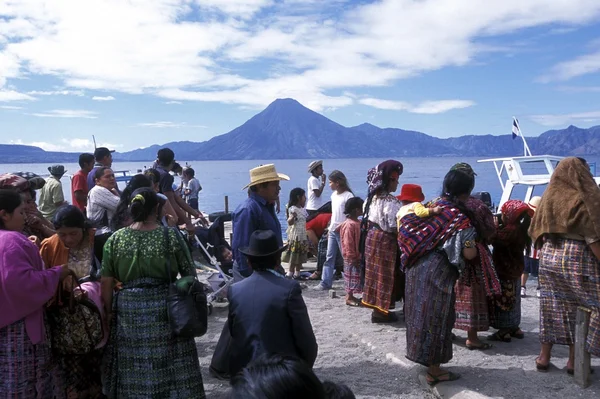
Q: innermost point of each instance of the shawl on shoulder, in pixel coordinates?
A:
(570, 204)
(418, 236)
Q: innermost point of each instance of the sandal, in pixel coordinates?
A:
(518, 334)
(497, 337)
(354, 303)
(436, 378)
(542, 367)
(481, 347)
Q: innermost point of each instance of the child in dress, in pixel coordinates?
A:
(532, 257)
(296, 232)
(350, 237)
(411, 197)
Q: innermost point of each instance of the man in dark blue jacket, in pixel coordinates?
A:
(266, 311)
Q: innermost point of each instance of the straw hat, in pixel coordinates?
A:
(534, 202)
(264, 174)
(314, 165)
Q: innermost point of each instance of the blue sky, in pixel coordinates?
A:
(146, 72)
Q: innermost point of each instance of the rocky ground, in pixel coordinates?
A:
(369, 358)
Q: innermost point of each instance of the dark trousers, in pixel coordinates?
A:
(322, 255)
(193, 203)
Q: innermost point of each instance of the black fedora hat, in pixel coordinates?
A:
(262, 243)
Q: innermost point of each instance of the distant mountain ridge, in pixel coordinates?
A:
(288, 130)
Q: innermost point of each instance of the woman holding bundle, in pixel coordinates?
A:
(434, 251)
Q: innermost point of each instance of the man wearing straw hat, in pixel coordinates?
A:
(257, 212)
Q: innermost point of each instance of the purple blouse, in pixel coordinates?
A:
(25, 287)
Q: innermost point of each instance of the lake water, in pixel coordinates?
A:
(226, 178)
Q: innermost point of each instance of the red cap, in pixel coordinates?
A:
(412, 193)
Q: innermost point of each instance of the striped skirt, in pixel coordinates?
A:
(569, 277)
(430, 310)
(381, 249)
(502, 319)
(352, 283)
(142, 358)
(27, 371)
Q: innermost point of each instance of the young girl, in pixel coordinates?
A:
(350, 237)
(341, 193)
(296, 232)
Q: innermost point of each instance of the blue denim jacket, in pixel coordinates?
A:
(251, 215)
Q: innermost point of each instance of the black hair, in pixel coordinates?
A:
(100, 172)
(122, 212)
(165, 156)
(9, 201)
(265, 262)
(295, 196)
(457, 184)
(153, 175)
(176, 168)
(190, 172)
(337, 391)
(276, 376)
(143, 202)
(85, 158)
(70, 216)
(352, 204)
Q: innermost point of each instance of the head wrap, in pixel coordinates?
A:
(18, 183)
(379, 176)
(570, 204)
(513, 209)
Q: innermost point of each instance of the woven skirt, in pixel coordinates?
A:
(429, 309)
(501, 318)
(27, 371)
(381, 249)
(472, 308)
(352, 283)
(569, 277)
(143, 359)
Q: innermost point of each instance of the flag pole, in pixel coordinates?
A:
(526, 150)
(94, 138)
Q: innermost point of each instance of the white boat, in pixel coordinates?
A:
(532, 172)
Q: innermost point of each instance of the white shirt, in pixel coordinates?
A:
(383, 211)
(338, 203)
(314, 202)
(101, 200)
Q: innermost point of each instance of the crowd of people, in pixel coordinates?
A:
(111, 256)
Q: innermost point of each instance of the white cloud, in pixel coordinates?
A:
(427, 107)
(10, 107)
(173, 102)
(100, 98)
(583, 65)
(204, 50)
(168, 124)
(563, 119)
(67, 113)
(11, 95)
(78, 93)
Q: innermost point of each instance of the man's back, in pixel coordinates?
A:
(268, 315)
(50, 195)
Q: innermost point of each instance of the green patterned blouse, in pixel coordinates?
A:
(132, 254)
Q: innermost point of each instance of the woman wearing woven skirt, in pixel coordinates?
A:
(509, 243)
(381, 247)
(566, 226)
(143, 359)
(479, 282)
(434, 250)
(27, 367)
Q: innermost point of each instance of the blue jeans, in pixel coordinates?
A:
(333, 251)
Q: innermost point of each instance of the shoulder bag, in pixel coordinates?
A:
(187, 310)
